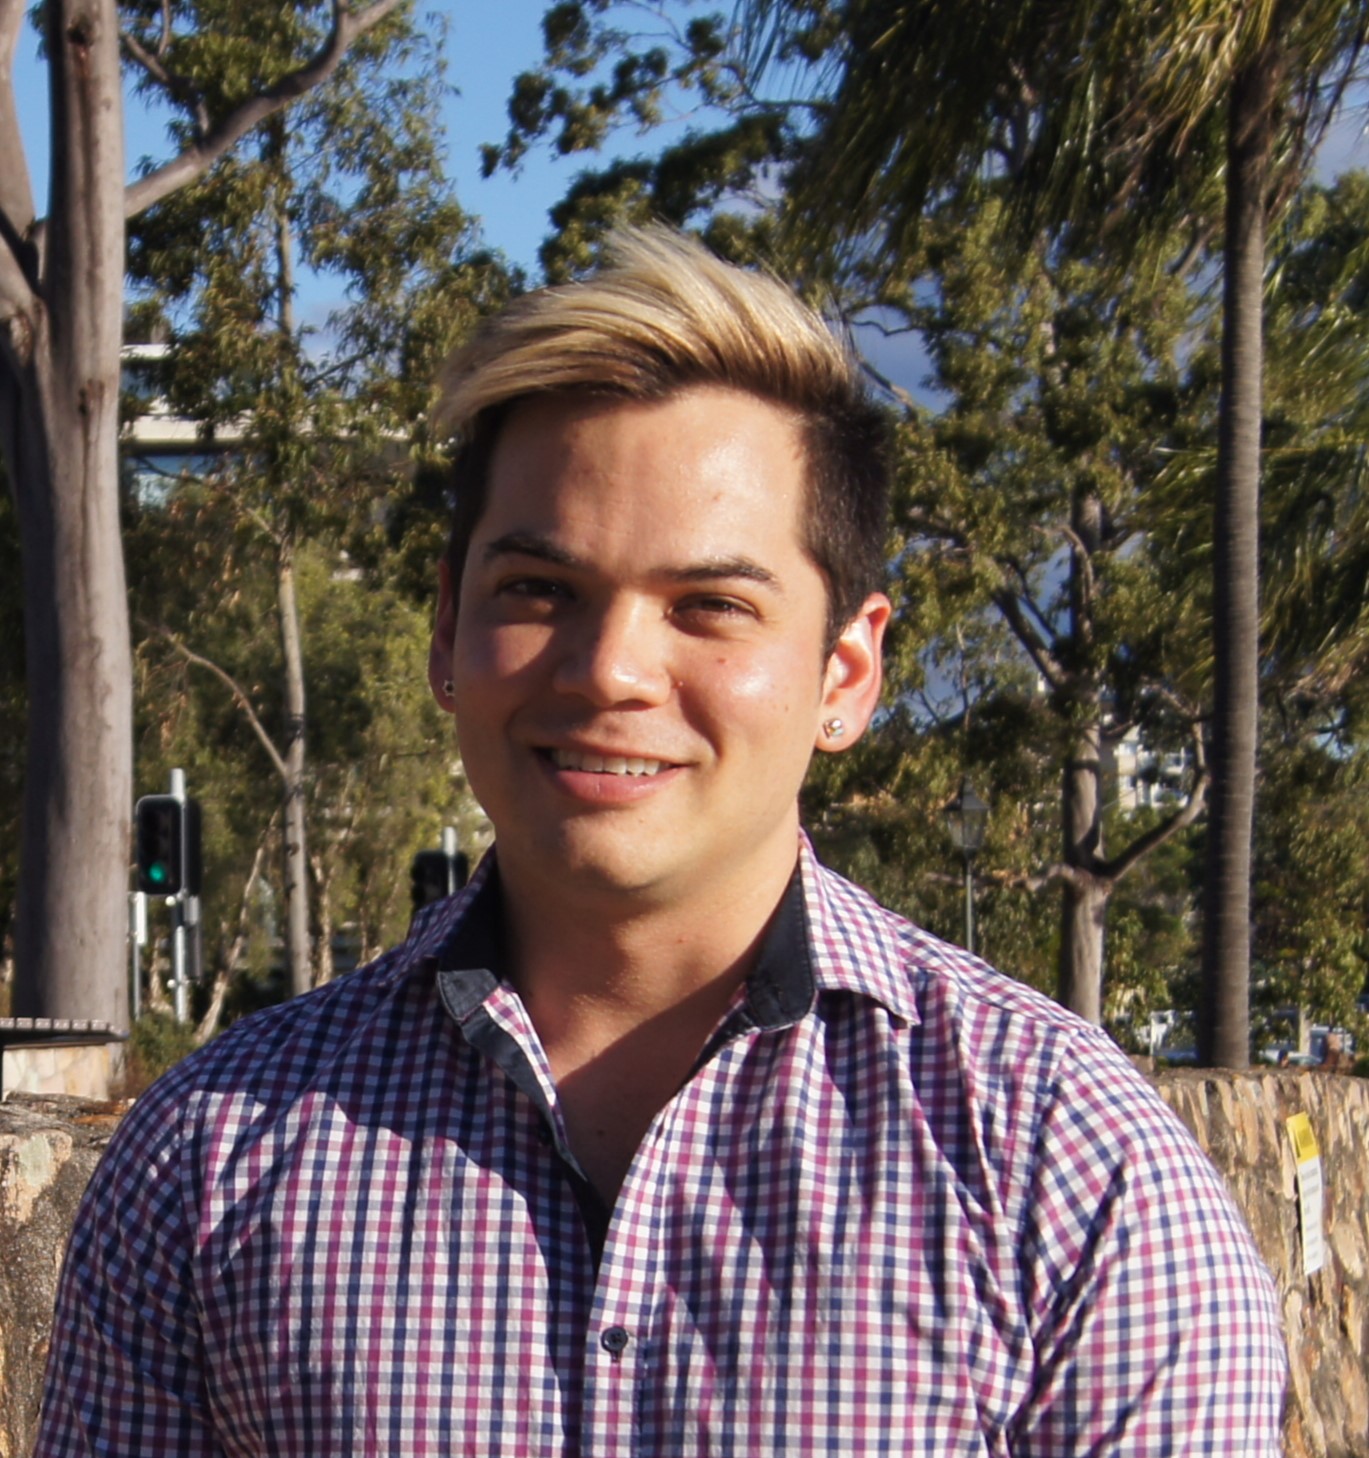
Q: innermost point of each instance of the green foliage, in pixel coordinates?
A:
(1315, 513)
(156, 1042)
(383, 777)
(1312, 881)
(298, 541)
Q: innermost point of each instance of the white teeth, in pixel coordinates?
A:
(598, 764)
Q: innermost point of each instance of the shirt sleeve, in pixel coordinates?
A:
(124, 1372)
(1155, 1322)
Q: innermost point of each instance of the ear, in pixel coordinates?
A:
(853, 677)
(444, 637)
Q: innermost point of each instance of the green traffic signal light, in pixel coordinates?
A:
(166, 835)
(159, 841)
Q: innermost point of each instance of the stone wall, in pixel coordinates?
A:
(78, 1070)
(1239, 1121)
(48, 1148)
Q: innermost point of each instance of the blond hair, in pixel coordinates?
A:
(663, 315)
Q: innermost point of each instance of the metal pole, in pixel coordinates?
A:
(449, 849)
(138, 937)
(969, 905)
(178, 977)
(180, 981)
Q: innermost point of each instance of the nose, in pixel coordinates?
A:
(615, 655)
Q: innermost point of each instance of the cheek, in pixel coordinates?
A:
(765, 690)
(495, 659)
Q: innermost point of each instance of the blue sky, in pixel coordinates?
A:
(489, 43)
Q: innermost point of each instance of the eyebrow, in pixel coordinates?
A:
(709, 569)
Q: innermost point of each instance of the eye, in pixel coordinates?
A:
(530, 598)
(533, 588)
(714, 608)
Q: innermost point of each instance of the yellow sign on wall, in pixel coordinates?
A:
(1307, 1158)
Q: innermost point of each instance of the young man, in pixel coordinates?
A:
(659, 1138)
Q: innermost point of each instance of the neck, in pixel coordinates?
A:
(622, 964)
(624, 1003)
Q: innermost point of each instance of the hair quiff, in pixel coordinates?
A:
(663, 315)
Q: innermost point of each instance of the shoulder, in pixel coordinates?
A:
(1046, 1105)
(1129, 1253)
(956, 1001)
(267, 1061)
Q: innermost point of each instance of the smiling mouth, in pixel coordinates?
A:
(605, 764)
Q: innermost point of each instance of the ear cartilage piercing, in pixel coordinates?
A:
(834, 728)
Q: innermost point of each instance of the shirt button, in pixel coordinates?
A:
(614, 1340)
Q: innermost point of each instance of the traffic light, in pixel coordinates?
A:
(435, 874)
(167, 839)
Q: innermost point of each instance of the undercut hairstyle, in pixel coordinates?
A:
(665, 314)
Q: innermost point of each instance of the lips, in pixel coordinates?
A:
(605, 764)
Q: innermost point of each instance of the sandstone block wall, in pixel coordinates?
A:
(80, 1070)
(1239, 1121)
(49, 1147)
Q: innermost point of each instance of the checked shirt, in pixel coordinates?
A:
(901, 1206)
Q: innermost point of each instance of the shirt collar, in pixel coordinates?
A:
(826, 936)
(855, 944)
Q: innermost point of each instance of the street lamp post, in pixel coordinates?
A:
(967, 818)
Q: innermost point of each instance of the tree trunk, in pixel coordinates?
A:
(1082, 920)
(59, 420)
(296, 841)
(1224, 1012)
(323, 959)
(1084, 908)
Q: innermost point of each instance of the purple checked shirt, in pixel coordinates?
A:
(902, 1206)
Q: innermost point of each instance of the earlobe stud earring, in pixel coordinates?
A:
(833, 728)
(448, 687)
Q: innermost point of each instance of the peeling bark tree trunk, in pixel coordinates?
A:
(1224, 1012)
(59, 419)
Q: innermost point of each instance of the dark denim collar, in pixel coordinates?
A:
(779, 990)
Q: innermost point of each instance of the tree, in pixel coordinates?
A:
(382, 780)
(61, 299)
(1311, 947)
(315, 425)
(12, 707)
(1027, 494)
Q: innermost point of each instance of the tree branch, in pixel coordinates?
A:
(1034, 880)
(1083, 559)
(1050, 667)
(896, 392)
(239, 697)
(18, 266)
(1183, 817)
(347, 26)
(177, 87)
(209, 1023)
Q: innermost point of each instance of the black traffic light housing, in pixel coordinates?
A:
(167, 841)
(434, 874)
